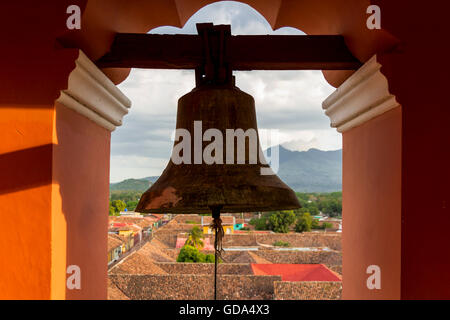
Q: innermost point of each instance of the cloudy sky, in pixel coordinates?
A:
(287, 101)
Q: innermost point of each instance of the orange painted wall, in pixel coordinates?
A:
(81, 176)
(25, 195)
(54, 186)
(372, 206)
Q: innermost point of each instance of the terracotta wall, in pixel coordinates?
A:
(372, 206)
(80, 203)
(422, 89)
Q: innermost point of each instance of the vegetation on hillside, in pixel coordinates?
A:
(311, 171)
(130, 185)
(302, 220)
(130, 198)
(304, 171)
(329, 204)
(128, 191)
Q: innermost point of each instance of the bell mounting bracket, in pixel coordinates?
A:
(215, 68)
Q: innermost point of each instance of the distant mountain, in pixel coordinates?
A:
(304, 171)
(311, 171)
(152, 179)
(130, 185)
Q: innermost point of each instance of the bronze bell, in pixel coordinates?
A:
(195, 186)
(229, 178)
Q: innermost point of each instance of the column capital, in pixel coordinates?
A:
(91, 93)
(363, 96)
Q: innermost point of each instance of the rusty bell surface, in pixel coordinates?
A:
(196, 188)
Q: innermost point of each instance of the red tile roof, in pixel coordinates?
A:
(138, 262)
(114, 241)
(119, 224)
(296, 272)
(114, 293)
(253, 231)
(139, 221)
(158, 216)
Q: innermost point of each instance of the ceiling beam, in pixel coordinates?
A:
(247, 52)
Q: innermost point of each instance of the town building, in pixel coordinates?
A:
(228, 223)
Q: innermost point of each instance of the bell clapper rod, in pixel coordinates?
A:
(218, 235)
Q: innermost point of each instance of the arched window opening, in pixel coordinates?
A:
(287, 102)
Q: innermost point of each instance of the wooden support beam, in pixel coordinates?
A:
(291, 53)
(248, 52)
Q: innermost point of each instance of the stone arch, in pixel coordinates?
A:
(104, 18)
(314, 18)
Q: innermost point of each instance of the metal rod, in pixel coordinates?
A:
(216, 215)
(215, 267)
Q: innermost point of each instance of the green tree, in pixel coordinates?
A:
(195, 238)
(112, 210)
(327, 225)
(312, 208)
(119, 205)
(315, 224)
(259, 223)
(131, 205)
(328, 203)
(190, 254)
(210, 258)
(304, 223)
(280, 221)
(116, 206)
(125, 195)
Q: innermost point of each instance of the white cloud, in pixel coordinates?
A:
(288, 101)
